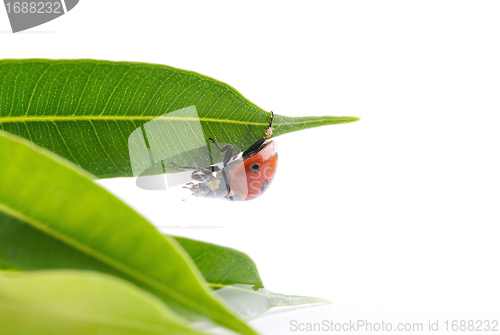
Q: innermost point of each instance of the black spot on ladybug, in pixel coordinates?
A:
(255, 167)
(264, 185)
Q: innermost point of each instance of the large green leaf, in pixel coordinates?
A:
(85, 110)
(81, 302)
(53, 216)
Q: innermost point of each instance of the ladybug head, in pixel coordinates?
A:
(255, 174)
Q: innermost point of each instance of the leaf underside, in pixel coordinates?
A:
(235, 278)
(248, 302)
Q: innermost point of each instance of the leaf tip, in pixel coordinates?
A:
(352, 119)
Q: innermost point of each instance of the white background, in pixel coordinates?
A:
(392, 218)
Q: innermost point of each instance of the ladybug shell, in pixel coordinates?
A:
(253, 176)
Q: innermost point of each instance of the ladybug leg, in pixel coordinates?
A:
(198, 174)
(207, 170)
(228, 149)
(184, 167)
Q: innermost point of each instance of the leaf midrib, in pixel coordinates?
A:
(10, 119)
(105, 259)
(22, 119)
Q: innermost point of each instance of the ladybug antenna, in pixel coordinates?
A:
(269, 131)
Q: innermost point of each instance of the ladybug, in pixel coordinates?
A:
(242, 177)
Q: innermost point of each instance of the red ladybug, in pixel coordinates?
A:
(237, 180)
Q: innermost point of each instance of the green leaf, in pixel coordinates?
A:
(85, 110)
(81, 302)
(247, 302)
(53, 216)
(234, 276)
(222, 266)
